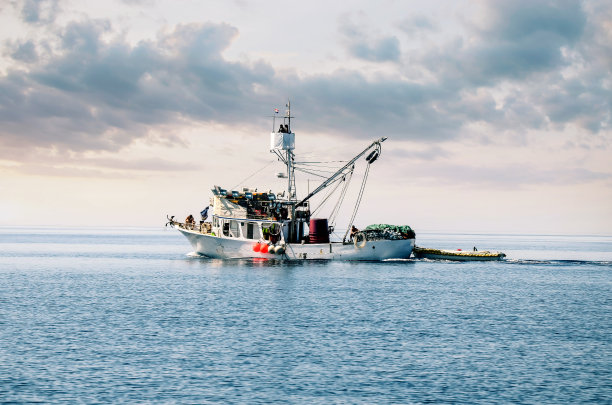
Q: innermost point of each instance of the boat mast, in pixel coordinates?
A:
(289, 158)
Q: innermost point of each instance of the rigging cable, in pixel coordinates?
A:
(309, 172)
(242, 181)
(327, 197)
(334, 213)
(370, 159)
(280, 157)
(365, 177)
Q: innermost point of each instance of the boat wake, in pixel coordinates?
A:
(520, 262)
(554, 262)
(194, 254)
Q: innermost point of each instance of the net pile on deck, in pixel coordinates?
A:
(388, 232)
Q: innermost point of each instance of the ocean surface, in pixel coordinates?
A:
(128, 315)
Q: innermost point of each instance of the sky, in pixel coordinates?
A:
(498, 114)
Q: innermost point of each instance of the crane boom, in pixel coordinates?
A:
(340, 171)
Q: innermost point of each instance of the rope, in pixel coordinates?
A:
(365, 177)
(334, 213)
(361, 190)
(326, 198)
(242, 181)
(309, 172)
(317, 163)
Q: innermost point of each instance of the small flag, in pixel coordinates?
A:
(276, 110)
(204, 213)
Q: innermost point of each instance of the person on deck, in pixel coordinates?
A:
(189, 222)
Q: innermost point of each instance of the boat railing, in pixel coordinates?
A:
(256, 216)
(203, 227)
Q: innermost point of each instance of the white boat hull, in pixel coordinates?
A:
(234, 248)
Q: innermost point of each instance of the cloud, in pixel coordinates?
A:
(39, 11)
(150, 164)
(360, 45)
(520, 19)
(422, 154)
(416, 24)
(518, 39)
(541, 54)
(92, 90)
(96, 94)
(505, 176)
(346, 102)
(23, 51)
(378, 50)
(75, 165)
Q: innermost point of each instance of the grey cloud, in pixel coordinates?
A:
(95, 94)
(380, 50)
(527, 44)
(39, 11)
(576, 102)
(99, 95)
(512, 59)
(348, 103)
(521, 38)
(519, 19)
(84, 37)
(24, 51)
(416, 24)
(361, 46)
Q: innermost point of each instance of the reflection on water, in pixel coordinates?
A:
(128, 316)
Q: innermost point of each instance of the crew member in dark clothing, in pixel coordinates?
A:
(354, 230)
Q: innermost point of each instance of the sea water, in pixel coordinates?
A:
(128, 315)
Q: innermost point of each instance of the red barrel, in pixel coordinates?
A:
(319, 232)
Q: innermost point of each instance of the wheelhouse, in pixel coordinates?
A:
(249, 229)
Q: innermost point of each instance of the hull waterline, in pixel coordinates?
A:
(229, 248)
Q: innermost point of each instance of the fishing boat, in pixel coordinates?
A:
(247, 223)
(456, 255)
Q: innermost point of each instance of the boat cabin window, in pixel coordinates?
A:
(250, 230)
(226, 229)
(234, 229)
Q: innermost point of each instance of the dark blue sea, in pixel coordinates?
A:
(127, 315)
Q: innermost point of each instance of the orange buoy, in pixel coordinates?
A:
(264, 249)
(257, 247)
